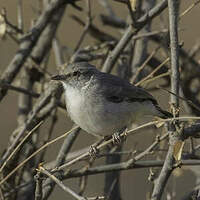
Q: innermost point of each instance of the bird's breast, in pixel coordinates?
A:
(93, 113)
(81, 109)
(74, 103)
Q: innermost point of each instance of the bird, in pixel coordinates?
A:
(104, 104)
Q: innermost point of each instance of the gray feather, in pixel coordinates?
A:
(113, 86)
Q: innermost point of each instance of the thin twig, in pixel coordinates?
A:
(48, 136)
(87, 26)
(1, 194)
(175, 134)
(20, 15)
(27, 44)
(156, 77)
(144, 64)
(132, 14)
(35, 153)
(130, 132)
(189, 8)
(153, 72)
(19, 145)
(19, 89)
(123, 166)
(50, 97)
(182, 98)
(129, 33)
(38, 187)
(59, 183)
(63, 152)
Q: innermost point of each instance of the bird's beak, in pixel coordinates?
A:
(60, 77)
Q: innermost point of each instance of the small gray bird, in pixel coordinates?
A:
(103, 104)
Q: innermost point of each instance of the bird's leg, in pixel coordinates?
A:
(117, 138)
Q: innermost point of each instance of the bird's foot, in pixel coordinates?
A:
(93, 151)
(118, 138)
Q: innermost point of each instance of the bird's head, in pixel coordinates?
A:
(76, 72)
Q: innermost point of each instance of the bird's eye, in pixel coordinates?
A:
(76, 73)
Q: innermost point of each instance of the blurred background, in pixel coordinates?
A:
(134, 183)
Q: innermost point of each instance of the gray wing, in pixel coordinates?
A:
(116, 89)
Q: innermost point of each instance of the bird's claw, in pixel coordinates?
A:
(117, 138)
(93, 151)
